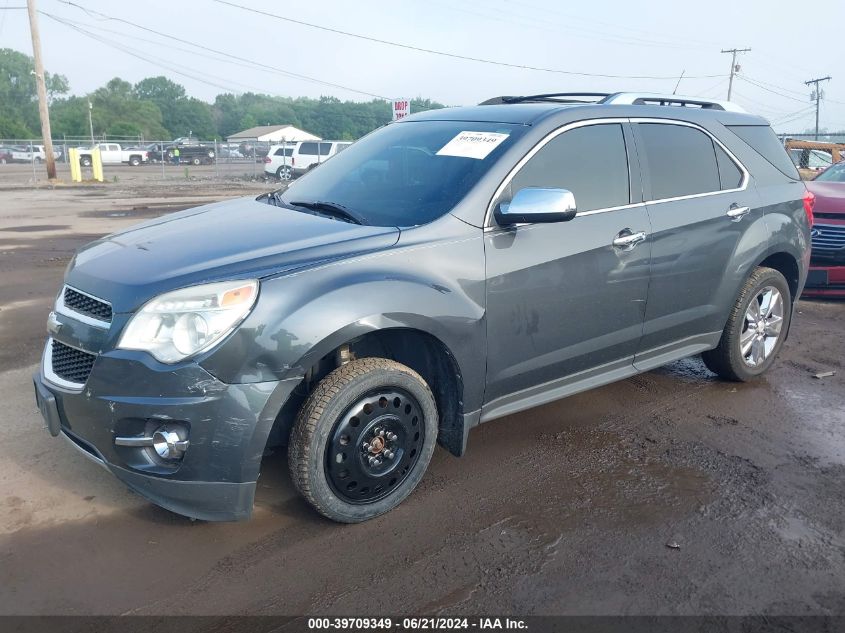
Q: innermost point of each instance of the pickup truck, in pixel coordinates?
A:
(29, 153)
(190, 151)
(114, 154)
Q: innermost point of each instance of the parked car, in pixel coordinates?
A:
(309, 153)
(827, 266)
(450, 268)
(30, 153)
(5, 155)
(278, 162)
(229, 152)
(811, 157)
(114, 154)
(193, 152)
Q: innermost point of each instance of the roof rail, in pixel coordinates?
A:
(641, 98)
(556, 97)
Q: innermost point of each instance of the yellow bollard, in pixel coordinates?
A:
(97, 164)
(75, 167)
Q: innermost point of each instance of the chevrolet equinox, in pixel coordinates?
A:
(448, 269)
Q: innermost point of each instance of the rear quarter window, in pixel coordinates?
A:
(763, 140)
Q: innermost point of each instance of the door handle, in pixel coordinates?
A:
(625, 240)
(736, 212)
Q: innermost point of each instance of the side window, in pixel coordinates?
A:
(325, 148)
(590, 161)
(730, 174)
(308, 148)
(681, 160)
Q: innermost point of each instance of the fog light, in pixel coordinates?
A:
(168, 445)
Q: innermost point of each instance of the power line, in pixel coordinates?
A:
(420, 49)
(186, 71)
(287, 73)
(762, 87)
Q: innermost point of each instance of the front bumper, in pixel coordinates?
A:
(127, 394)
(825, 281)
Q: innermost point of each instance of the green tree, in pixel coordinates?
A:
(117, 109)
(180, 114)
(18, 94)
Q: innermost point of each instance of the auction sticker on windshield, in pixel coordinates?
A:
(472, 144)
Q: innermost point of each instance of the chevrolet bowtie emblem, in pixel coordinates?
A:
(53, 323)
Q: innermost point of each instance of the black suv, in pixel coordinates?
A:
(448, 269)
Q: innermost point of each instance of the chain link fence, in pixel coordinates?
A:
(132, 158)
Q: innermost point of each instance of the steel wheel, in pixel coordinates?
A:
(374, 446)
(763, 325)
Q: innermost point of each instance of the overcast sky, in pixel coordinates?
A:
(660, 38)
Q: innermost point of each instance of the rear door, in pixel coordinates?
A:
(700, 204)
(563, 301)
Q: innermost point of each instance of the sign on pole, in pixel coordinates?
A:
(401, 109)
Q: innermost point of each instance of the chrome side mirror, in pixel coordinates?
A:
(537, 205)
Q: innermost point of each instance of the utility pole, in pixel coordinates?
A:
(817, 97)
(734, 67)
(91, 123)
(42, 91)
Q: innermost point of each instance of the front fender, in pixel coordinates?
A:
(437, 288)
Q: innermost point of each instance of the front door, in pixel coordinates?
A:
(562, 299)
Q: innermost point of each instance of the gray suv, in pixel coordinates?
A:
(448, 269)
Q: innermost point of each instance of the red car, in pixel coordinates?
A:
(827, 266)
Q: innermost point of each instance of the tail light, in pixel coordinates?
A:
(809, 203)
(267, 159)
(292, 161)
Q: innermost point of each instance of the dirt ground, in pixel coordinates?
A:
(569, 508)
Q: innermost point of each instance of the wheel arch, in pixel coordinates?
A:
(787, 265)
(415, 347)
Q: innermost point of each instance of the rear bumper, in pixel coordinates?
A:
(227, 427)
(825, 281)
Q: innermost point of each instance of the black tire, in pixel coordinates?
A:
(85, 161)
(728, 360)
(384, 394)
(134, 160)
(196, 160)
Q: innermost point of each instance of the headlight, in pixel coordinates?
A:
(179, 324)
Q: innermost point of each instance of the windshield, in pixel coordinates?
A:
(408, 173)
(835, 173)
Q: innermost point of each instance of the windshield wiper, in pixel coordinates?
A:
(333, 209)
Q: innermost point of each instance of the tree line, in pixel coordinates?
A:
(157, 108)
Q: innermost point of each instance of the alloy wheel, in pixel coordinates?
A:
(762, 328)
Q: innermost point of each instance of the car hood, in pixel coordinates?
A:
(830, 196)
(241, 238)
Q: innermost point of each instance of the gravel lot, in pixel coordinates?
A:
(565, 509)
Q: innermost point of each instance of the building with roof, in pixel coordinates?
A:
(272, 134)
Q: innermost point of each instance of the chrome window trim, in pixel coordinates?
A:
(61, 308)
(488, 224)
(50, 376)
(540, 145)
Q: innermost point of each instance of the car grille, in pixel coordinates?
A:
(87, 305)
(71, 364)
